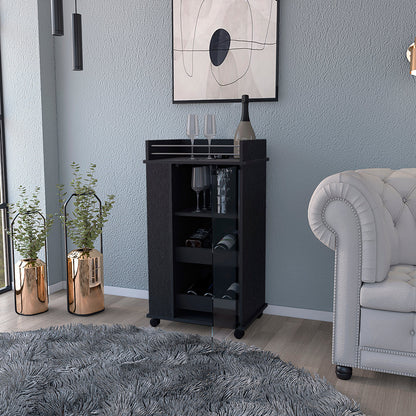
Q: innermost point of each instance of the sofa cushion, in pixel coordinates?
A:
(388, 330)
(397, 293)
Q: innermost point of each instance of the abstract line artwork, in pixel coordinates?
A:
(223, 49)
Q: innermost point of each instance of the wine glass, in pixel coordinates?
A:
(207, 185)
(198, 183)
(192, 130)
(210, 130)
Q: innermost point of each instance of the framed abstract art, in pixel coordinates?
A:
(223, 49)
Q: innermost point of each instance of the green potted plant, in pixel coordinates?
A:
(29, 231)
(83, 226)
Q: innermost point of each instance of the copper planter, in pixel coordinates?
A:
(85, 282)
(31, 288)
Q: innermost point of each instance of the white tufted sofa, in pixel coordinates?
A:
(369, 218)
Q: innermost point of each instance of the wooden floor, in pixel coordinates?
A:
(305, 343)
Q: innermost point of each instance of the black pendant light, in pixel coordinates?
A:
(77, 40)
(57, 17)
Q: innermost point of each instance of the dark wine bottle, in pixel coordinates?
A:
(209, 291)
(201, 284)
(227, 242)
(232, 291)
(244, 130)
(199, 238)
(193, 289)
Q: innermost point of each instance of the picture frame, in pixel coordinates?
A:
(222, 49)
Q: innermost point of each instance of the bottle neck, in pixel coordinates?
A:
(244, 113)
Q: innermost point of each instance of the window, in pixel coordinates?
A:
(5, 274)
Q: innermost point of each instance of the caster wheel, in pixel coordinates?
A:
(154, 322)
(343, 373)
(260, 316)
(239, 333)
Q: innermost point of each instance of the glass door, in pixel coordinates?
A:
(192, 240)
(205, 239)
(225, 247)
(5, 283)
(4, 275)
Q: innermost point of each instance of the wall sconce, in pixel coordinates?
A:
(411, 57)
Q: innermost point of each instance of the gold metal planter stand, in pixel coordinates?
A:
(85, 280)
(30, 280)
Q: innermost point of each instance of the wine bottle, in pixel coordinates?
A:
(199, 288)
(193, 289)
(198, 238)
(226, 190)
(201, 284)
(227, 242)
(232, 291)
(244, 130)
(209, 291)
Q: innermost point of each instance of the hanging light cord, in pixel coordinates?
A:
(76, 6)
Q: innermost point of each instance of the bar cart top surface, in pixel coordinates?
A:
(222, 151)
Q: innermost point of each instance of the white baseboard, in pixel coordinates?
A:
(299, 313)
(57, 287)
(108, 290)
(270, 310)
(128, 293)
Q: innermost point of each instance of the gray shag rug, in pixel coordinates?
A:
(117, 371)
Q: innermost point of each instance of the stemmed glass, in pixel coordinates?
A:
(210, 130)
(198, 183)
(192, 130)
(207, 185)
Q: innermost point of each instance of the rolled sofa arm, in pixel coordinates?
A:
(348, 189)
(347, 217)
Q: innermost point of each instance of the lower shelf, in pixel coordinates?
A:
(194, 303)
(207, 256)
(194, 317)
(193, 255)
(208, 318)
(222, 312)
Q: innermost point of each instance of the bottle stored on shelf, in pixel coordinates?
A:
(244, 130)
(226, 190)
(227, 242)
(209, 291)
(199, 238)
(193, 289)
(200, 288)
(232, 292)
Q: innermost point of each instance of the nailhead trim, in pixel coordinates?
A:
(359, 275)
(391, 352)
(388, 352)
(413, 335)
(360, 253)
(381, 370)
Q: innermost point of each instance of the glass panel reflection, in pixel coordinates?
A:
(3, 280)
(225, 247)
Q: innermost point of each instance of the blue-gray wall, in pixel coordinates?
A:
(346, 101)
(28, 69)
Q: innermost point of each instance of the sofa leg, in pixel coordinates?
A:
(343, 373)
